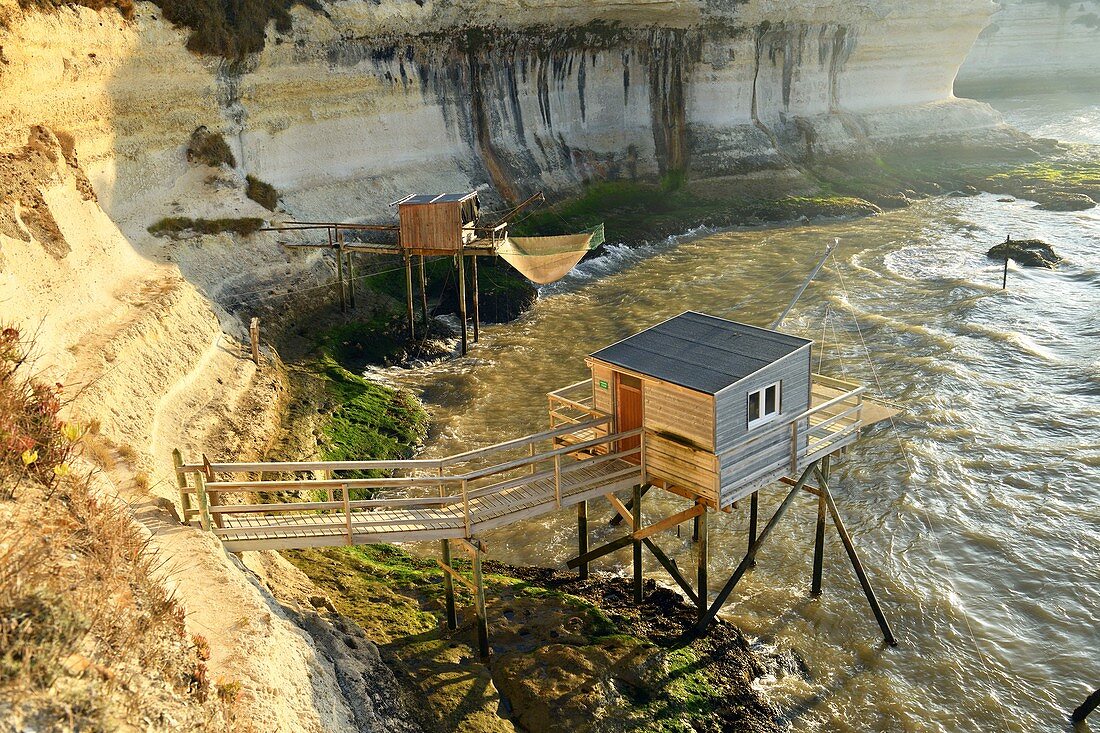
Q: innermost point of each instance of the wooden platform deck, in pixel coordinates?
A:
(464, 504)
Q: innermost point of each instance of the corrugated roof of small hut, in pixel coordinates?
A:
(703, 353)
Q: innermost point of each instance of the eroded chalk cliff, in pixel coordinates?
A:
(1036, 43)
(367, 101)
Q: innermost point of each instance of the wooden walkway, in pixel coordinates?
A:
(456, 497)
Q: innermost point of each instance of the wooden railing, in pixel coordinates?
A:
(452, 492)
(572, 405)
(823, 428)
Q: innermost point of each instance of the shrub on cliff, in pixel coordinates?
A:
(262, 193)
(89, 638)
(176, 226)
(124, 7)
(230, 28)
(209, 148)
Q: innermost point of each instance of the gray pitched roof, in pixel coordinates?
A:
(701, 352)
(434, 198)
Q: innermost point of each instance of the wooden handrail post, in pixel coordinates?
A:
(347, 513)
(557, 479)
(532, 451)
(204, 502)
(466, 505)
(794, 446)
(181, 482)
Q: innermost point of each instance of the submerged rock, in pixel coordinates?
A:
(1063, 201)
(1027, 252)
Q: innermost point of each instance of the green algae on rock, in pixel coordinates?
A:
(567, 654)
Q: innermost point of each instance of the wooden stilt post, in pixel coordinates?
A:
(695, 529)
(819, 546)
(582, 538)
(754, 512)
(742, 568)
(424, 295)
(409, 297)
(339, 269)
(704, 557)
(351, 276)
(636, 511)
(477, 308)
(479, 607)
(449, 586)
(462, 299)
(254, 338)
(819, 534)
(1086, 707)
(850, 548)
(181, 482)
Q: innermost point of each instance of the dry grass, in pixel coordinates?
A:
(230, 29)
(179, 226)
(124, 7)
(209, 148)
(89, 637)
(262, 193)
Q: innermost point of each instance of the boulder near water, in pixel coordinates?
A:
(1028, 252)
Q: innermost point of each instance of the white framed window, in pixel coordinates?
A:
(764, 405)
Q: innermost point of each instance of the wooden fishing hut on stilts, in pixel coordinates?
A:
(724, 409)
(432, 225)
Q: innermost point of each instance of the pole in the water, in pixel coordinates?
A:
(817, 268)
(1004, 280)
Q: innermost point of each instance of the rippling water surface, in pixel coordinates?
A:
(978, 517)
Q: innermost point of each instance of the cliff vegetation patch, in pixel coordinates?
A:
(89, 638)
(567, 654)
(177, 227)
(262, 193)
(124, 7)
(230, 28)
(209, 148)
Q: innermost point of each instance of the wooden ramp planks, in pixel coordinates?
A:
(295, 529)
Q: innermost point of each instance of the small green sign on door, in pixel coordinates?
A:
(603, 384)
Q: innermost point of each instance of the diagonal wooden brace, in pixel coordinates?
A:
(670, 566)
(599, 552)
(850, 548)
(669, 522)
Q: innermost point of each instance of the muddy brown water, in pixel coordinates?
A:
(977, 517)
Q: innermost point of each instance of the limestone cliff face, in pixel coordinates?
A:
(399, 97)
(371, 100)
(1036, 42)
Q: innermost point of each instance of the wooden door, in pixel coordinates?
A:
(628, 412)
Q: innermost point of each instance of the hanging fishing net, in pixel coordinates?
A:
(544, 260)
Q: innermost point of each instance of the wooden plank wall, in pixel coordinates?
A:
(731, 404)
(680, 412)
(685, 465)
(436, 227)
(731, 407)
(601, 396)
